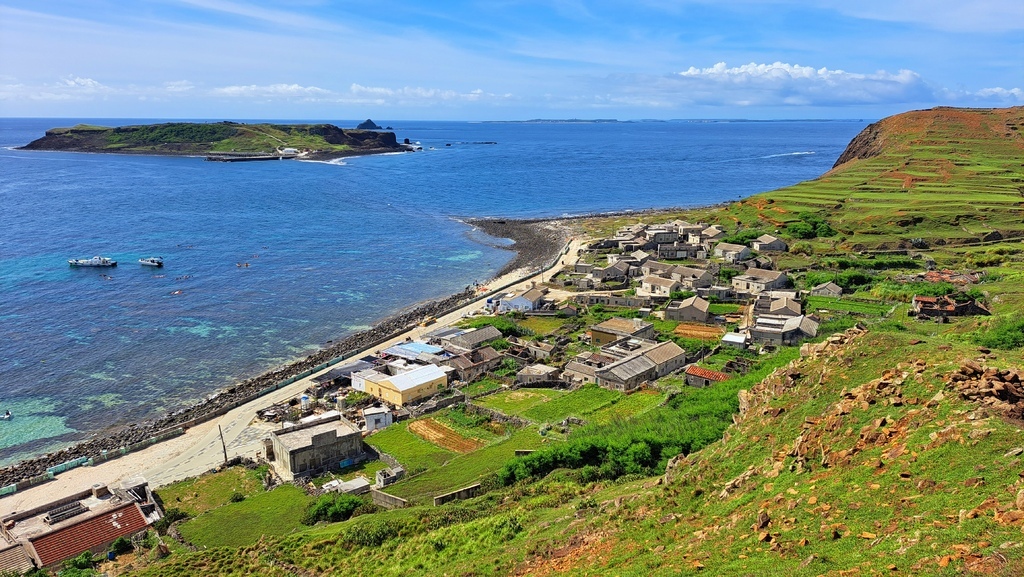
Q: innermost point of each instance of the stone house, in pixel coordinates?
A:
(756, 280)
(474, 364)
(731, 252)
(658, 286)
(692, 278)
(693, 309)
(945, 306)
(700, 377)
(767, 242)
(584, 367)
(615, 328)
(778, 330)
(827, 289)
(536, 373)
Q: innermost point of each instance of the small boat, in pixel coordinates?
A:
(152, 261)
(6, 416)
(94, 261)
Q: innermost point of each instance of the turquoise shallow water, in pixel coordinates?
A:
(332, 247)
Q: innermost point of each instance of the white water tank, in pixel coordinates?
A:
(305, 402)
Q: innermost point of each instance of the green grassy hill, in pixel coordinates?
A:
(188, 138)
(895, 448)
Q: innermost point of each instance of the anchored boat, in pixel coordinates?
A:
(152, 261)
(94, 261)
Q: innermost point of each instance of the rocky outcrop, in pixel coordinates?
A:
(869, 143)
(1001, 390)
(368, 125)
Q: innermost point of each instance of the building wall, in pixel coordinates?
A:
(325, 450)
(691, 314)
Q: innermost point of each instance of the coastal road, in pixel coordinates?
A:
(200, 449)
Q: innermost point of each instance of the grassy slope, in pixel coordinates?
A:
(909, 487)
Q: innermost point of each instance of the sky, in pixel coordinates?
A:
(507, 59)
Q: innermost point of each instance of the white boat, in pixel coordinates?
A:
(94, 261)
(152, 261)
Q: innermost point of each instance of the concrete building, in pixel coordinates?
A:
(314, 447)
(778, 330)
(404, 386)
(377, 418)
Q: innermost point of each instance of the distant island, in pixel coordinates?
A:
(222, 140)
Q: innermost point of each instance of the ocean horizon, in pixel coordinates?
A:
(268, 262)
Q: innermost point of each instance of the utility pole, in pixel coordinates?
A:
(222, 445)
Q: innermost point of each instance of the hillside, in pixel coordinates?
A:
(888, 444)
(186, 138)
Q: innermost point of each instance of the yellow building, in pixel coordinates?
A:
(407, 387)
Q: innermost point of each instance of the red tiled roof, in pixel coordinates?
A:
(96, 531)
(706, 373)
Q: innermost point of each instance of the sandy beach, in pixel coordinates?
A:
(203, 445)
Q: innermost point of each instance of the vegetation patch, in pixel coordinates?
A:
(412, 452)
(519, 401)
(240, 524)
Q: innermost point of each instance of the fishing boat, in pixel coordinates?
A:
(152, 261)
(94, 261)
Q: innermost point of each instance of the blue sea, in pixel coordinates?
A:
(331, 247)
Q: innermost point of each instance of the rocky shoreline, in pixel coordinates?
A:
(536, 242)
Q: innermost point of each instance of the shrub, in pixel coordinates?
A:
(1006, 334)
(171, 515)
(372, 533)
(236, 497)
(331, 508)
(121, 545)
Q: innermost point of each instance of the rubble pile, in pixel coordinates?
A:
(1001, 390)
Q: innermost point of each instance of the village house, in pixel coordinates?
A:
(659, 287)
(693, 309)
(767, 242)
(692, 278)
(527, 300)
(626, 374)
(827, 289)
(470, 339)
(584, 367)
(736, 340)
(731, 253)
(767, 303)
(313, 447)
(87, 521)
(655, 268)
(656, 236)
(632, 302)
(700, 377)
(945, 306)
(538, 350)
(536, 373)
(377, 418)
(648, 362)
(474, 364)
(720, 292)
(682, 250)
(756, 280)
(583, 268)
(404, 386)
(778, 330)
(706, 236)
(615, 328)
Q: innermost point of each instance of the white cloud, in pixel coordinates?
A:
(178, 86)
(783, 84)
(270, 91)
